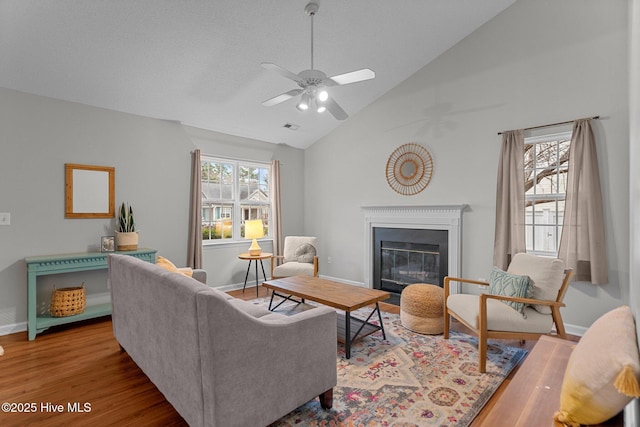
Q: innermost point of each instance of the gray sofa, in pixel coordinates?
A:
(218, 360)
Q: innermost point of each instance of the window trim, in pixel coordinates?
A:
(237, 203)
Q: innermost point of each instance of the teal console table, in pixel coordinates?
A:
(68, 263)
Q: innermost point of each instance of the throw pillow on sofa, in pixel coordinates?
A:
(169, 266)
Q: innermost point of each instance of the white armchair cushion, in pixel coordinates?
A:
(500, 317)
(292, 245)
(546, 276)
(293, 268)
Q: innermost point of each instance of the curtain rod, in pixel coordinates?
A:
(554, 124)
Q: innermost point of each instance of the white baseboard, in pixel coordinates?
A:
(13, 328)
(235, 286)
(348, 282)
(575, 330)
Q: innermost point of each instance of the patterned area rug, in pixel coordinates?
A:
(409, 379)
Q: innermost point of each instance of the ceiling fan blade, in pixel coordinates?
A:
(352, 77)
(281, 98)
(335, 109)
(282, 71)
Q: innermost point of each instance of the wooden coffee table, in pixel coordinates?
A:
(337, 295)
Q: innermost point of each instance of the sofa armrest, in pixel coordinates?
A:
(200, 275)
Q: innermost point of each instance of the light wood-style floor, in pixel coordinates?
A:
(81, 363)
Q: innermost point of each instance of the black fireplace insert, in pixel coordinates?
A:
(403, 256)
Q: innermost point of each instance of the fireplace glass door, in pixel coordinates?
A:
(406, 263)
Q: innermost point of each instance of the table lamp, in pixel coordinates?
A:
(253, 229)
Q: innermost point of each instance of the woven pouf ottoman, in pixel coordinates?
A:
(422, 308)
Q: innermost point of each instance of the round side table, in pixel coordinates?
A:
(256, 258)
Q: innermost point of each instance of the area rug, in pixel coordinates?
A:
(408, 379)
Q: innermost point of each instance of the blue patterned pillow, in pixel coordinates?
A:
(509, 285)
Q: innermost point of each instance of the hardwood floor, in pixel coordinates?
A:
(81, 364)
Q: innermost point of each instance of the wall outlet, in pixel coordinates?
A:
(5, 218)
(483, 287)
(328, 260)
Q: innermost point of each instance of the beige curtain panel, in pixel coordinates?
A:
(194, 250)
(509, 230)
(276, 208)
(582, 245)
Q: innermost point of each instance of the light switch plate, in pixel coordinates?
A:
(5, 218)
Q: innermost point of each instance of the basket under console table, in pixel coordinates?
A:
(68, 263)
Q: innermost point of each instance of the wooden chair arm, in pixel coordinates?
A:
(484, 297)
(274, 258)
(448, 279)
(461, 280)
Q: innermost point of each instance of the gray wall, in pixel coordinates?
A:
(537, 62)
(152, 161)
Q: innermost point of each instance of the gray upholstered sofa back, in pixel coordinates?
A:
(218, 360)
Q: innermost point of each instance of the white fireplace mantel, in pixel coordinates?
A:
(440, 217)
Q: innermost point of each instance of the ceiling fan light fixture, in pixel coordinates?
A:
(312, 82)
(303, 105)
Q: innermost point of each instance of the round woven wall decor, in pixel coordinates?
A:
(409, 169)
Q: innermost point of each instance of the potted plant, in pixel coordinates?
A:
(126, 234)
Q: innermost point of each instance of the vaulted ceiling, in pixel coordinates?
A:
(198, 61)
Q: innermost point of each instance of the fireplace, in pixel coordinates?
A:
(411, 244)
(402, 256)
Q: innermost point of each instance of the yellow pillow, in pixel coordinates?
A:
(168, 265)
(603, 371)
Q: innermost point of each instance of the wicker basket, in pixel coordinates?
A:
(67, 301)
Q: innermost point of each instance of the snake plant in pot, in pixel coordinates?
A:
(126, 234)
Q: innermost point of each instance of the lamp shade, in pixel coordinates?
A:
(253, 229)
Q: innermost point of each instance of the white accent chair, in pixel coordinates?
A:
(487, 316)
(299, 258)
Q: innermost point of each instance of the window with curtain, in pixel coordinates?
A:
(233, 191)
(546, 163)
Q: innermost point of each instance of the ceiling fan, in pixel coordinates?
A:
(314, 83)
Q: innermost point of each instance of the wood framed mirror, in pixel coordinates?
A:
(89, 191)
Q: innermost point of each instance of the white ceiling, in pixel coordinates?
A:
(198, 61)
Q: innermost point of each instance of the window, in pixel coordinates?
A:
(546, 163)
(233, 191)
